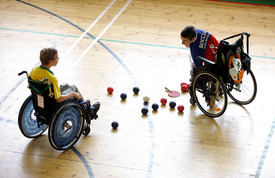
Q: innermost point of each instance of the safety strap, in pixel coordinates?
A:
(35, 89)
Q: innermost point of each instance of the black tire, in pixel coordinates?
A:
(245, 91)
(66, 126)
(86, 130)
(27, 120)
(209, 94)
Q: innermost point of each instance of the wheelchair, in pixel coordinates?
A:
(229, 75)
(65, 121)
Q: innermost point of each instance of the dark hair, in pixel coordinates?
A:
(188, 32)
(47, 54)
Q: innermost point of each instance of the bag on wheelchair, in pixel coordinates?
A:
(43, 100)
(232, 61)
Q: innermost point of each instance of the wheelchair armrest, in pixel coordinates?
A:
(205, 60)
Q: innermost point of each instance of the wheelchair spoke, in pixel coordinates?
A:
(67, 126)
(210, 94)
(28, 122)
(244, 92)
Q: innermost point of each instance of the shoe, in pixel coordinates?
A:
(95, 107)
(88, 102)
(93, 110)
(192, 101)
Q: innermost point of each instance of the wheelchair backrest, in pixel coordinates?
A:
(226, 50)
(43, 99)
(228, 53)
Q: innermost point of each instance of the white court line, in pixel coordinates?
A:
(90, 27)
(99, 36)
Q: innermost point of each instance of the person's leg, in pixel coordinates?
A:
(66, 88)
(92, 110)
(63, 87)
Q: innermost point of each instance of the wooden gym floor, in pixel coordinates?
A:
(139, 46)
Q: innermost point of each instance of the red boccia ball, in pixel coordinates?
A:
(183, 83)
(180, 108)
(163, 101)
(184, 88)
(110, 90)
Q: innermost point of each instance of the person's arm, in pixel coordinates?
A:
(211, 49)
(68, 96)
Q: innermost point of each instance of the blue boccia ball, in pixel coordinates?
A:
(114, 124)
(123, 96)
(144, 111)
(172, 104)
(155, 106)
(136, 90)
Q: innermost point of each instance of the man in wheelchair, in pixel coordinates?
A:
(48, 58)
(218, 70)
(201, 43)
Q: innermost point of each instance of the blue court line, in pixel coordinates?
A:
(85, 162)
(118, 41)
(267, 143)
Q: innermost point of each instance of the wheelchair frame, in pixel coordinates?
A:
(212, 82)
(66, 120)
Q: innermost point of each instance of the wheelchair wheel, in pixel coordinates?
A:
(27, 120)
(66, 126)
(245, 91)
(209, 94)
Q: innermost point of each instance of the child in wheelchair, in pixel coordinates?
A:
(48, 58)
(62, 110)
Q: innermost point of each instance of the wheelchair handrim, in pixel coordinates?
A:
(66, 127)
(215, 111)
(27, 120)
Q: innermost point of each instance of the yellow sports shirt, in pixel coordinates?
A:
(39, 73)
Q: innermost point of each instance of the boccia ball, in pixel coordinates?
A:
(172, 104)
(123, 96)
(114, 124)
(136, 90)
(144, 111)
(184, 88)
(180, 108)
(183, 83)
(146, 99)
(110, 90)
(163, 101)
(155, 106)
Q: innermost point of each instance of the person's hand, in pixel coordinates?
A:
(81, 97)
(78, 96)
